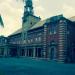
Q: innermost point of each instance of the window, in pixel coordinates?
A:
(52, 29)
(68, 32)
(39, 38)
(28, 41)
(36, 39)
(40, 34)
(31, 40)
(53, 43)
(24, 41)
(53, 53)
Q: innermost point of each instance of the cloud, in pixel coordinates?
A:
(68, 10)
(40, 10)
(11, 12)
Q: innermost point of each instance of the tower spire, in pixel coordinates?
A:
(28, 8)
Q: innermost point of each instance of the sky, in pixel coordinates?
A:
(12, 12)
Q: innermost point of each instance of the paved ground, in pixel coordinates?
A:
(28, 66)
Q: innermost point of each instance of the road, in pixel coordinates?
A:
(28, 66)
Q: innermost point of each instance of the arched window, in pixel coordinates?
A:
(52, 29)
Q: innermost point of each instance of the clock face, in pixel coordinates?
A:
(28, 10)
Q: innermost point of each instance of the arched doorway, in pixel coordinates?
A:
(53, 53)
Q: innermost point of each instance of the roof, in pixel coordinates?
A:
(16, 32)
(56, 18)
(72, 19)
(39, 24)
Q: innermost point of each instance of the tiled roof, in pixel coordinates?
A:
(39, 24)
(16, 32)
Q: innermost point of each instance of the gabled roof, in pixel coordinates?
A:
(28, 15)
(39, 24)
(16, 32)
(56, 18)
(51, 19)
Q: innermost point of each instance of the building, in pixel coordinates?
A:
(52, 38)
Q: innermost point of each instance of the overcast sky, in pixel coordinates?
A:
(12, 12)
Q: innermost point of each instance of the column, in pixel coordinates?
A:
(0, 51)
(5, 51)
(34, 50)
(25, 52)
(44, 51)
(18, 51)
(62, 40)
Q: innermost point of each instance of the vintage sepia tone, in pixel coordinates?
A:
(52, 38)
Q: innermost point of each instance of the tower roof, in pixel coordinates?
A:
(28, 8)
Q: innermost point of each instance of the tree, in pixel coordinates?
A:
(1, 21)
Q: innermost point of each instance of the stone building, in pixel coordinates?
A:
(52, 38)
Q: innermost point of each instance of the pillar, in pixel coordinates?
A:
(5, 51)
(34, 52)
(18, 51)
(25, 52)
